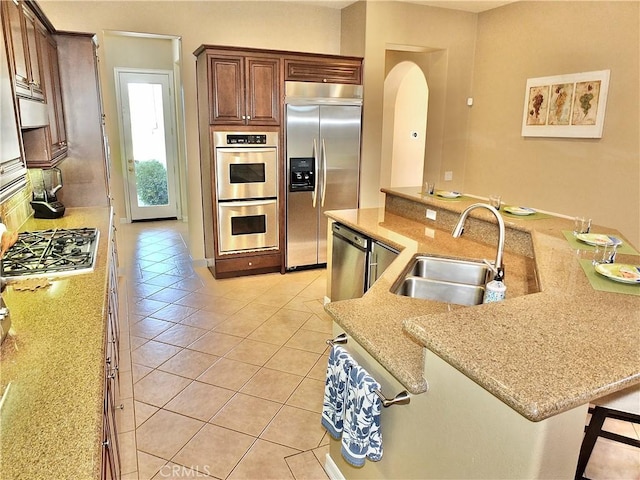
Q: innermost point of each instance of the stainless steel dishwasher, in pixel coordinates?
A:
(380, 257)
(348, 263)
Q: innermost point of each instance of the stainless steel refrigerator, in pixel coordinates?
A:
(323, 127)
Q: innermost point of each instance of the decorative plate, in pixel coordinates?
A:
(447, 194)
(620, 272)
(598, 239)
(519, 210)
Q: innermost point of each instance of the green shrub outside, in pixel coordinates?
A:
(151, 178)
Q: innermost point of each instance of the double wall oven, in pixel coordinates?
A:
(246, 173)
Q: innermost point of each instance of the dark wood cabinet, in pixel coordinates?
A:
(323, 69)
(57, 137)
(256, 263)
(13, 29)
(22, 27)
(34, 53)
(243, 90)
(13, 170)
(110, 448)
(84, 120)
(35, 76)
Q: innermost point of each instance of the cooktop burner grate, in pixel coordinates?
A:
(51, 252)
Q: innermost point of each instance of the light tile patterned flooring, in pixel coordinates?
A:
(218, 378)
(224, 378)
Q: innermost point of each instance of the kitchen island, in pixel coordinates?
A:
(52, 417)
(504, 378)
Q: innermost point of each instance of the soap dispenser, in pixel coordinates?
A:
(495, 290)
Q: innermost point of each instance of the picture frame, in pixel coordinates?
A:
(571, 105)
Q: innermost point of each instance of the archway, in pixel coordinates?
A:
(405, 107)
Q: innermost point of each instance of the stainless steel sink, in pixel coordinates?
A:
(442, 279)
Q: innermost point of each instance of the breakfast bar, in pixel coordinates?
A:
(553, 345)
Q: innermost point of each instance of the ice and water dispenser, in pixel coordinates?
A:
(301, 174)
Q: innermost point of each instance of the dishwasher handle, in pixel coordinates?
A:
(350, 236)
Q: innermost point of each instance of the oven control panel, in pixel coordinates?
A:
(248, 139)
(237, 139)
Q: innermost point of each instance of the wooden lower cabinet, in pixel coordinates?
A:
(245, 265)
(110, 448)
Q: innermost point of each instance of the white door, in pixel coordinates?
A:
(149, 144)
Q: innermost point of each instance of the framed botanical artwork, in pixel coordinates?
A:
(570, 105)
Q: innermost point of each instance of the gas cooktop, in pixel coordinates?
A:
(46, 253)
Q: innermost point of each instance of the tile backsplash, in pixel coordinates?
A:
(16, 210)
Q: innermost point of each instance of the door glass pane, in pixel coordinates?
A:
(148, 140)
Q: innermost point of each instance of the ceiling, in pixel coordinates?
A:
(475, 6)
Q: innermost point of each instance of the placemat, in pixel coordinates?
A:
(533, 216)
(603, 284)
(445, 199)
(576, 244)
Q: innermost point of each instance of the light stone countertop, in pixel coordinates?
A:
(555, 343)
(51, 421)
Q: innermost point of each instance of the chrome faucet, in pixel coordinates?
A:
(459, 228)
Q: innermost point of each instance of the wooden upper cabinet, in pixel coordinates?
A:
(263, 90)
(14, 28)
(23, 26)
(226, 90)
(244, 90)
(324, 70)
(53, 94)
(32, 25)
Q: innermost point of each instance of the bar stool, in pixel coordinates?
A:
(623, 405)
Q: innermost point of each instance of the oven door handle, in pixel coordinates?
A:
(315, 173)
(247, 203)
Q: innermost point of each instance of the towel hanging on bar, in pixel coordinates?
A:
(362, 436)
(335, 390)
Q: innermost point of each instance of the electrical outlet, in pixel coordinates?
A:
(431, 214)
(448, 176)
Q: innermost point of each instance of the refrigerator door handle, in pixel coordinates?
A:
(324, 172)
(315, 175)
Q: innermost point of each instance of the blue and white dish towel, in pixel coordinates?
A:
(361, 436)
(335, 390)
(352, 408)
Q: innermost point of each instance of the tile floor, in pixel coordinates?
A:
(224, 378)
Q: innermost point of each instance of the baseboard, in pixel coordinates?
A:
(332, 469)
(202, 263)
